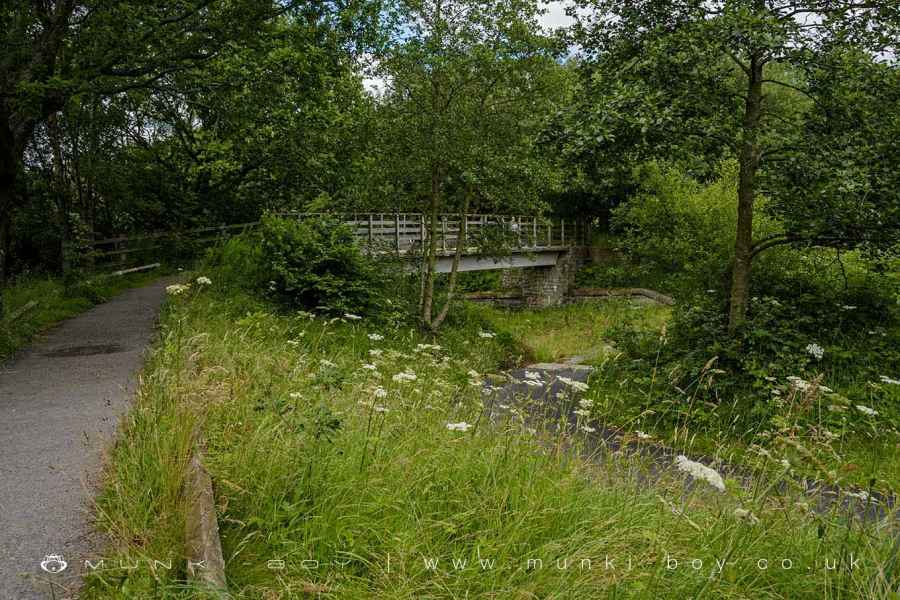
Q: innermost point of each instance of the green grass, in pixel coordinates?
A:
(311, 462)
(554, 334)
(629, 398)
(54, 304)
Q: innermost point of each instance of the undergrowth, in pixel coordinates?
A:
(351, 458)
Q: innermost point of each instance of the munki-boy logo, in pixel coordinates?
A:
(54, 563)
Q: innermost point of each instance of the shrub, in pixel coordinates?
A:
(679, 232)
(317, 264)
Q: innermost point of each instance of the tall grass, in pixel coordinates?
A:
(342, 480)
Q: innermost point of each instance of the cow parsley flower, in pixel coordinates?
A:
(581, 412)
(177, 289)
(586, 403)
(380, 392)
(866, 410)
(815, 350)
(486, 334)
(203, 280)
(404, 376)
(700, 471)
(746, 515)
(369, 367)
(861, 495)
(575, 385)
(375, 352)
(587, 429)
(376, 337)
(295, 395)
(461, 426)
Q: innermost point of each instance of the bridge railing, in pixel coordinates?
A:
(410, 232)
(400, 233)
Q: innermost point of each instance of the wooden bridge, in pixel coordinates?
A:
(539, 256)
(492, 241)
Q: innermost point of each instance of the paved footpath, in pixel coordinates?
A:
(60, 403)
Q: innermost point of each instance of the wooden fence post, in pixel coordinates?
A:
(397, 231)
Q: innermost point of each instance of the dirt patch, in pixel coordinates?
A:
(89, 350)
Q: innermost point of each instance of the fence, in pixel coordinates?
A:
(398, 233)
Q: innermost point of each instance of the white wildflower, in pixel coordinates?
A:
(815, 350)
(177, 289)
(575, 385)
(404, 376)
(202, 280)
(327, 363)
(369, 367)
(375, 352)
(587, 429)
(486, 334)
(295, 395)
(746, 515)
(799, 383)
(381, 409)
(376, 337)
(586, 403)
(866, 410)
(352, 317)
(581, 412)
(641, 435)
(380, 392)
(700, 471)
(461, 426)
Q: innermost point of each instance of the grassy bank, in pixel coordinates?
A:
(632, 393)
(38, 303)
(576, 330)
(351, 459)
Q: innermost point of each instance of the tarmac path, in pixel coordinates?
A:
(60, 403)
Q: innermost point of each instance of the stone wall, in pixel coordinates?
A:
(545, 286)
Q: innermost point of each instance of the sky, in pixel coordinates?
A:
(554, 18)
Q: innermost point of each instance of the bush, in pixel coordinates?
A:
(313, 264)
(679, 232)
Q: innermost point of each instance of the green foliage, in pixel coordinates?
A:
(390, 484)
(317, 264)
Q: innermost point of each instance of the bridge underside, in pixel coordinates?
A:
(518, 260)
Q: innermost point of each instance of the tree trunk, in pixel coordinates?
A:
(749, 165)
(431, 248)
(8, 164)
(59, 188)
(454, 270)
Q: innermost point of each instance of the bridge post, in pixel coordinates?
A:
(545, 286)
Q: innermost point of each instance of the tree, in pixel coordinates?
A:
(57, 50)
(469, 83)
(750, 77)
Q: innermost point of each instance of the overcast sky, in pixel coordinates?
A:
(555, 18)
